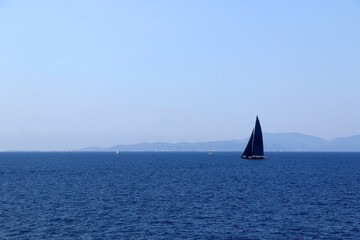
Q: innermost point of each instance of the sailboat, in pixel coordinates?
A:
(255, 147)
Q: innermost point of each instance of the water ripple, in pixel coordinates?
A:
(179, 196)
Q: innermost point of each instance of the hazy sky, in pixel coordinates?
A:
(83, 73)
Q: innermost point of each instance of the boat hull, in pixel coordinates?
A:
(254, 157)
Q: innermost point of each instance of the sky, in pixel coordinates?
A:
(79, 73)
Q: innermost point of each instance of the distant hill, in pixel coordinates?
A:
(272, 142)
(344, 144)
(293, 142)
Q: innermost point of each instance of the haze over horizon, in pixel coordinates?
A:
(99, 73)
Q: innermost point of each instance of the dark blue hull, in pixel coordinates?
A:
(253, 157)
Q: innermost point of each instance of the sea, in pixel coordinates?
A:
(179, 195)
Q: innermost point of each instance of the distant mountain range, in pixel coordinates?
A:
(272, 142)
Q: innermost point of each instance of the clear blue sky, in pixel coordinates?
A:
(83, 73)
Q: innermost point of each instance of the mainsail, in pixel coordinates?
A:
(255, 146)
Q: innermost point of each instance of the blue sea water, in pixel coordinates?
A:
(179, 196)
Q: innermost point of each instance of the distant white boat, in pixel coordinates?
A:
(117, 152)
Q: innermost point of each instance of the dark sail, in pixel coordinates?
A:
(248, 149)
(255, 148)
(258, 147)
